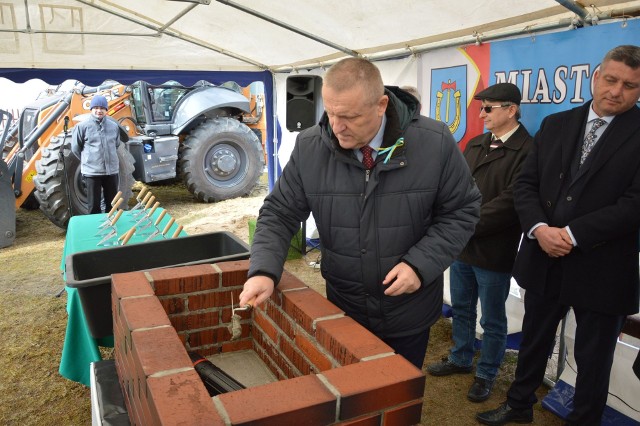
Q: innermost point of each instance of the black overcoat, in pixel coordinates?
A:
(495, 241)
(600, 203)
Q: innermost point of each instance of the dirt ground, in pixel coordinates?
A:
(33, 321)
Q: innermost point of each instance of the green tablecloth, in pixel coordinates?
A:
(80, 348)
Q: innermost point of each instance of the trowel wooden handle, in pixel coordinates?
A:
(116, 198)
(146, 197)
(159, 219)
(153, 209)
(116, 217)
(150, 202)
(178, 231)
(142, 192)
(251, 303)
(247, 306)
(115, 207)
(126, 237)
(166, 228)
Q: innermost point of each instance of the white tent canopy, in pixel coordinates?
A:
(253, 35)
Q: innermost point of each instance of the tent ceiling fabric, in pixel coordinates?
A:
(248, 35)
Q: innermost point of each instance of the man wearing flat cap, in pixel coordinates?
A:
(483, 269)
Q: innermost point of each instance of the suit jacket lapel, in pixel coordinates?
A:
(617, 133)
(571, 136)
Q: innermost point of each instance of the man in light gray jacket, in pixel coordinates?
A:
(94, 142)
(393, 200)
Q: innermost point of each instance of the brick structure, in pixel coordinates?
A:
(330, 369)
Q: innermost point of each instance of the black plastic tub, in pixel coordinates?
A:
(90, 271)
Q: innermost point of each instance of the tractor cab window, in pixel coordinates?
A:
(137, 104)
(164, 100)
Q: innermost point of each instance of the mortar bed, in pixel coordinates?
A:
(244, 366)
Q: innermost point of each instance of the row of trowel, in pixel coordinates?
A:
(140, 215)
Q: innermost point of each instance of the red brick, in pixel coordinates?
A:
(294, 356)
(119, 335)
(234, 273)
(306, 306)
(159, 349)
(282, 321)
(286, 367)
(268, 362)
(290, 282)
(367, 387)
(406, 414)
(184, 279)
(195, 321)
(201, 338)
(145, 411)
(130, 284)
(281, 403)
(143, 312)
(206, 352)
(183, 339)
(217, 299)
(277, 363)
(261, 321)
(237, 345)
(311, 350)
(348, 341)
(225, 314)
(136, 415)
(181, 398)
(172, 305)
(208, 336)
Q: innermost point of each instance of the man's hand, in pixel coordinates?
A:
(556, 242)
(402, 279)
(258, 287)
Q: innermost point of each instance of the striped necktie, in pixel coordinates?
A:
(495, 143)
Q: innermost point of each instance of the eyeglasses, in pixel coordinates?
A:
(490, 108)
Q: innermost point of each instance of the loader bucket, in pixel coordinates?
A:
(7, 207)
(7, 197)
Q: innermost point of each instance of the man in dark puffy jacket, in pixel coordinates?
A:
(390, 221)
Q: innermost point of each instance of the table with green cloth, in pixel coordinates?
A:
(80, 348)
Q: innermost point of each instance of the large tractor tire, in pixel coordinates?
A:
(221, 159)
(60, 189)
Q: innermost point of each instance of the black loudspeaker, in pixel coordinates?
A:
(303, 101)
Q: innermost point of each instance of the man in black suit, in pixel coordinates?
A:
(578, 199)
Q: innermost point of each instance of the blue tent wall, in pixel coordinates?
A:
(95, 77)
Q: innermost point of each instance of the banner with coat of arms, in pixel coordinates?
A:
(553, 72)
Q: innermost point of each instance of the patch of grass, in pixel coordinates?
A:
(32, 392)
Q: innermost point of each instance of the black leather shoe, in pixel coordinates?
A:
(480, 390)
(505, 414)
(446, 367)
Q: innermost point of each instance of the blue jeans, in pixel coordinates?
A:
(468, 283)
